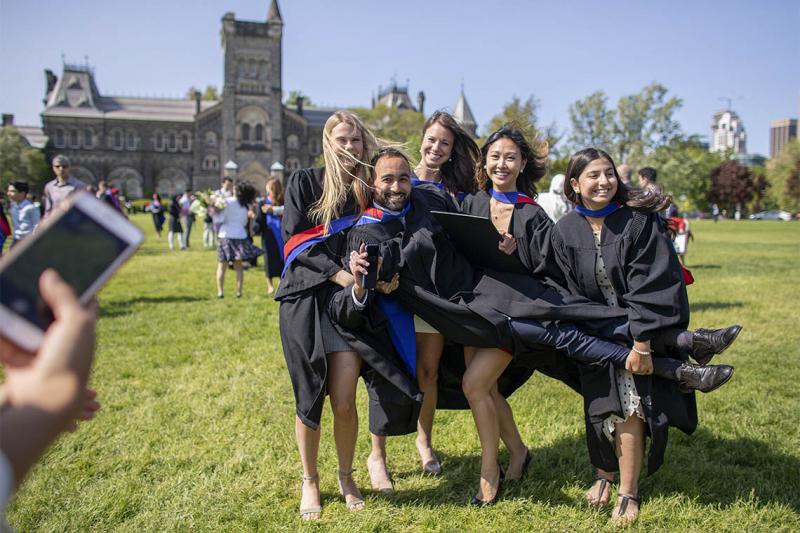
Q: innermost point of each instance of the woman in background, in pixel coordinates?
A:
(233, 244)
(175, 226)
(268, 225)
(156, 209)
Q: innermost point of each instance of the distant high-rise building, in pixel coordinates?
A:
(727, 133)
(781, 132)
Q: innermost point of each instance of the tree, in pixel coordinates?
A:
(592, 123)
(211, 93)
(524, 115)
(18, 161)
(684, 170)
(732, 186)
(783, 173)
(394, 125)
(293, 95)
(640, 124)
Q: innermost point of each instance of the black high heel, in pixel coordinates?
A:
(477, 502)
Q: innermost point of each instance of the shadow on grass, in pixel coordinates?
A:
(709, 470)
(704, 267)
(123, 307)
(708, 306)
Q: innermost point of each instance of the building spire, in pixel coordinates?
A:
(463, 114)
(274, 14)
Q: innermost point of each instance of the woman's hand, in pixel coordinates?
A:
(388, 287)
(639, 364)
(508, 245)
(266, 209)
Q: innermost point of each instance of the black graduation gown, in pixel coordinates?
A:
(646, 276)
(303, 292)
(273, 255)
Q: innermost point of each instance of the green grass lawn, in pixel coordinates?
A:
(196, 431)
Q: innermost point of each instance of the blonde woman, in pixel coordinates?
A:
(320, 205)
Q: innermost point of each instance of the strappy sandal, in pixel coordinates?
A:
(604, 483)
(356, 504)
(307, 513)
(619, 519)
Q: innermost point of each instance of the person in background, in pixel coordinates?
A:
(62, 186)
(199, 210)
(625, 174)
(45, 393)
(233, 244)
(5, 227)
(715, 212)
(187, 217)
(24, 215)
(268, 225)
(156, 209)
(104, 193)
(175, 223)
(647, 178)
(554, 203)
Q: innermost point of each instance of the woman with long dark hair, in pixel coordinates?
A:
(156, 209)
(175, 227)
(234, 246)
(613, 249)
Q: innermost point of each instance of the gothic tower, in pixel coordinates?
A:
(252, 111)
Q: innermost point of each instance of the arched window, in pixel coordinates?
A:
(259, 133)
(173, 142)
(292, 142)
(59, 140)
(130, 140)
(117, 140)
(88, 138)
(210, 162)
(74, 140)
(211, 138)
(292, 163)
(185, 141)
(158, 141)
(245, 132)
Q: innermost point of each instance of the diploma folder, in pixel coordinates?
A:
(477, 239)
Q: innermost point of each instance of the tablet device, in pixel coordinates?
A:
(477, 239)
(84, 240)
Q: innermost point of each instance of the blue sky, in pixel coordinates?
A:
(339, 52)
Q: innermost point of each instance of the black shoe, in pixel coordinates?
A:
(525, 464)
(477, 502)
(706, 343)
(703, 378)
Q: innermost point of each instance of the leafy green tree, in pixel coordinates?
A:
(18, 161)
(640, 124)
(211, 93)
(592, 123)
(684, 170)
(403, 127)
(783, 173)
(525, 116)
(293, 95)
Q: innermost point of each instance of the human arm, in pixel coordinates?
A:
(43, 394)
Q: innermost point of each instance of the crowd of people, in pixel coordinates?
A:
(601, 306)
(598, 302)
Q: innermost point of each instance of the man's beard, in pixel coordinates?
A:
(393, 201)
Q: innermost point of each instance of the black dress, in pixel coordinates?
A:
(645, 273)
(175, 217)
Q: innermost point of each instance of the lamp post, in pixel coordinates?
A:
(276, 171)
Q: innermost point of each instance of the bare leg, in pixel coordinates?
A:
(429, 353)
(170, 233)
(629, 440)
(237, 266)
(485, 367)
(509, 432)
(220, 278)
(270, 286)
(308, 445)
(343, 372)
(379, 476)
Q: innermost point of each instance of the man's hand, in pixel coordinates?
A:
(508, 244)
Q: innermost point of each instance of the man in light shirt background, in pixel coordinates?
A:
(62, 186)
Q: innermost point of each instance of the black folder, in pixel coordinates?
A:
(477, 239)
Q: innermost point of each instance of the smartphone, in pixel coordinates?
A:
(85, 240)
(371, 279)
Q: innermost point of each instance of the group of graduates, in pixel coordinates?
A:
(598, 302)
